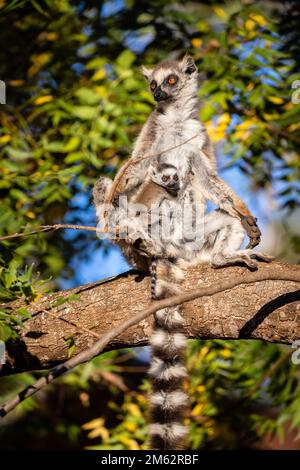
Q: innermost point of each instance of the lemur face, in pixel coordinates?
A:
(167, 177)
(168, 79)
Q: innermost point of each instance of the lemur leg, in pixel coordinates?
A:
(223, 237)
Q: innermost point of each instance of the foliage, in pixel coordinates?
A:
(75, 102)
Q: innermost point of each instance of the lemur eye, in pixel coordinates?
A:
(165, 178)
(172, 79)
(153, 85)
(175, 178)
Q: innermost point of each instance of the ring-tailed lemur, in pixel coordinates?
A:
(174, 85)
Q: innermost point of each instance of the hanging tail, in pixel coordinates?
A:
(168, 401)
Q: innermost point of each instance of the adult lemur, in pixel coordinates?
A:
(174, 129)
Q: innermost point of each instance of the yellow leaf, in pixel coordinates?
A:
(55, 167)
(198, 409)
(226, 353)
(99, 75)
(99, 432)
(240, 135)
(294, 127)
(4, 139)
(141, 399)
(246, 124)
(131, 443)
(38, 62)
(48, 36)
(16, 82)
(30, 214)
(250, 25)
(134, 409)
(203, 352)
(220, 12)
(94, 423)
(250, 87)
(43, 100)
(130, 426)
(196, 43)
(270, 117)
(37, 297)
(101, 90)
(216, 136)
(224, 119)
(2, 3)
(201, 388)
(275, 99)
(258, 18)
(51, 36)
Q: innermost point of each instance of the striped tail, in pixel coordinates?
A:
(153, 268)
(168, 401)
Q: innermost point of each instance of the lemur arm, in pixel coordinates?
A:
(216, 190)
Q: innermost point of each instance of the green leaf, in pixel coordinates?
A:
(126, 59)
(85, 112)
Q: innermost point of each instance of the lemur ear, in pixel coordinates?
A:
(146, 72)
(188, 65)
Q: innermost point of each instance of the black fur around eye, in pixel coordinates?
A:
(165, 178)
(175, 178)
(153, 85)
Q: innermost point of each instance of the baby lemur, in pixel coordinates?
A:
(174, 133)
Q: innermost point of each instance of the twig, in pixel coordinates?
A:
(281, 360)
(98, 346)
(134, 161)
(77, 325)
(49, 228)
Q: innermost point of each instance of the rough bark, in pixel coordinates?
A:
(266, 310)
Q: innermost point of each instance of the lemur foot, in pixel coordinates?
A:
(260, 256)
(220, 261)
(247, 257)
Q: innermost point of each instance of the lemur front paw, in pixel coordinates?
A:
(250, 225)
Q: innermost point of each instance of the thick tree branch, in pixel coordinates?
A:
(263, 306)
(98, 346)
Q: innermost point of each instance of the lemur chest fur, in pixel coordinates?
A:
(186, 135)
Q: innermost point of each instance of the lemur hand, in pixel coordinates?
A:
(250, 225)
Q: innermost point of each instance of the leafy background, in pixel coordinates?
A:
(75, 103)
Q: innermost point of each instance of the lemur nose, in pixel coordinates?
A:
(159, 94)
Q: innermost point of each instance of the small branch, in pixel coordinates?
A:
(280, 361)
(283, 133)
(77, 325)
(98, 346)
(134, 161)
(49, 228)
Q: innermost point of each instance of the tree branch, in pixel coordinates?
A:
(266, 309)
(98, 346)
(48, 228)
